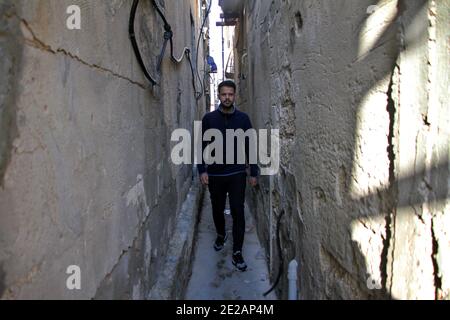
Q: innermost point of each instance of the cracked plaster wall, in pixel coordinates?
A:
(85, 171)
(361, 101)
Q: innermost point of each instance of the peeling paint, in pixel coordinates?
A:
(136, 196)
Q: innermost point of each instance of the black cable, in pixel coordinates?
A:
(198, 46)
(167, 26)
(197, 94)
(280, 255)
(186, 51)
(177, 60)
(163, 51)
(169, 35)
(135, 45)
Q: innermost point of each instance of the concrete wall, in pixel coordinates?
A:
(360, 95)
(85, 171)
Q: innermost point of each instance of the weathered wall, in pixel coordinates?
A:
(361, 100)
(85, 171)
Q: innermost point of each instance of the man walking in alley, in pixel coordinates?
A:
(228, 177)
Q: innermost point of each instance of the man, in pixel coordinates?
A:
(228, 178)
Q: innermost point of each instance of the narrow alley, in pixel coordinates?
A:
(215, 278)
(124, 124)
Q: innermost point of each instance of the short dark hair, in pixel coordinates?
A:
(227, 83)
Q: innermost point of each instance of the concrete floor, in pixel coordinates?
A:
(213, 275)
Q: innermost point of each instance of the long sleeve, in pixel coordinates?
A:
(201, 167)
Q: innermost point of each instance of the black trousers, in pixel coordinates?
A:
(235, 187)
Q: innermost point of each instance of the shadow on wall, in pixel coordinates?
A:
(438, 191)
(10, 65)
(10, 68)
(408, 193)
(438, 183)
(409, 21)
(380, 55)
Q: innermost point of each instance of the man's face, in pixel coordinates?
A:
(226, 96)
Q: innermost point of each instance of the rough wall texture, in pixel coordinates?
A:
(360, 95)
(85, 171)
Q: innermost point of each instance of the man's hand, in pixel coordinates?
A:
(253, 181)
(204, 179)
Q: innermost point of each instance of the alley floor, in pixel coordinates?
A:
(213, 275)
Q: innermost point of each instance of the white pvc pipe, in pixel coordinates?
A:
(292, 277)
(271, 233)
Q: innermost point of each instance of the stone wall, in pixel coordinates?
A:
(85, 171)
(359, 91)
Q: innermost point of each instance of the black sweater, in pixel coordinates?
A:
(223, 121)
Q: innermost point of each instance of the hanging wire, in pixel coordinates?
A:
(198, 95)
(168, 38)
(280, 256)
(198, 44)
(132, 36)
(169, 34)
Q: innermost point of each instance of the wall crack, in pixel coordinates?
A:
(389, 241)
(436, 272)
(39, 44)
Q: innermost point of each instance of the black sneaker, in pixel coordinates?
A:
(220, 242)
(238, 261)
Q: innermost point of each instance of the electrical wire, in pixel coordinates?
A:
(135, 45)
(168, 37)
(161, 14)
(198, 95)
(198, 44)
(280, 255)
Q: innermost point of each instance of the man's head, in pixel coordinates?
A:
(227, 92)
